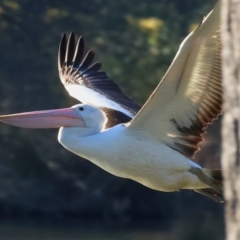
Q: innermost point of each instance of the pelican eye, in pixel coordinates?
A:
(81, 108)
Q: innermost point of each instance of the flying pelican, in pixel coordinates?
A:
(153, 145)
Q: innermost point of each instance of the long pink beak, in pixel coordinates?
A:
(66, 117)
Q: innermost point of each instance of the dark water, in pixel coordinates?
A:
(72, 230)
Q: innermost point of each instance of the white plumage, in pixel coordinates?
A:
(133, 155)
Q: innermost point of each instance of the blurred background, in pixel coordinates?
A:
(47, 192)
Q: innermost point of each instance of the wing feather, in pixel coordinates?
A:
(189, 96)
(78, 55)
(85, 82)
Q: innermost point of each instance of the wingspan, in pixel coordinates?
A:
(189, 96)
(83, 80)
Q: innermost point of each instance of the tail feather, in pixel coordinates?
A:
(213, 178)
(211, 193)
(214, 173)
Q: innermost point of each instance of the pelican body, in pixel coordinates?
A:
(153, 145)
(133, 155)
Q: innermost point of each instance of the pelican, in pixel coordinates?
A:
(153, 145)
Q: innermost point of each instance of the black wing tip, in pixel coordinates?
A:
(93, 69)
(79, 50)
(70, 53)
(62, 51)
(87, 61)
(70, 49)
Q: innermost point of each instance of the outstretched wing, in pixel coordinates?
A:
(189, 96)
(85, 82)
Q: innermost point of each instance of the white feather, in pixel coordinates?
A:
(87, 95)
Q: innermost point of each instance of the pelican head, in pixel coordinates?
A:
(80, 115)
